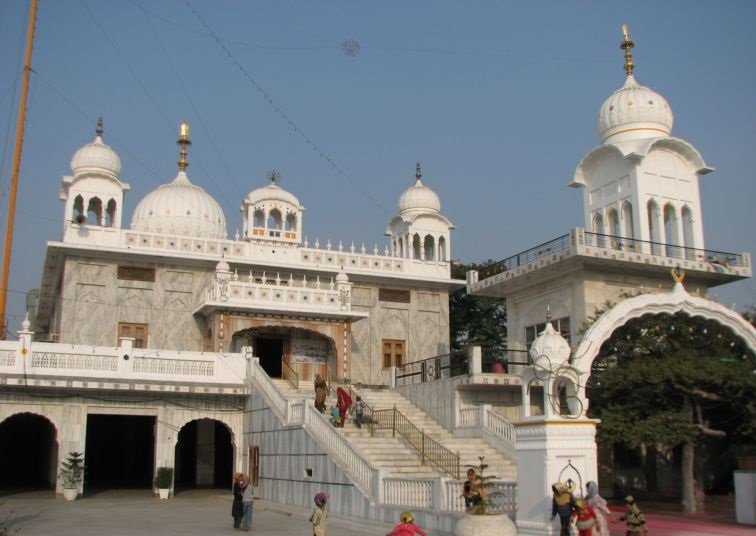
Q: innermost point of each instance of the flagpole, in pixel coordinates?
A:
(16, 168)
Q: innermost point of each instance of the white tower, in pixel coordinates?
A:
(271, 214)
(420, 231)
(641, 182)
(555, 441)
(94, 194)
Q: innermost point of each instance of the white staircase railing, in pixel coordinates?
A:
(439, 494)
(499, 430)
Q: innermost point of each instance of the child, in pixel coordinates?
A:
(319, 515)
(406, 527)
(248, 496)
(359, 411)
(335, 416)
(563, 504)
(585, 518)
(636, 523)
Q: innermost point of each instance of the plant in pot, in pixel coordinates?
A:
(481, 519)
(72, 474)
(163, 480)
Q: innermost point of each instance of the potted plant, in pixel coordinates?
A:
(163, 481)
(72, 474)
(479, 520)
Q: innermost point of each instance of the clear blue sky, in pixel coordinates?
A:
(497, 100)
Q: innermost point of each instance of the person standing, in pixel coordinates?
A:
(406, 527)
(563, 504)
(471, 490)
(636, 523)
(319, 515)
(359, 411)
(248, 495)
(321, 391)
(344, 402)
(598, 503)
(237, 510)
(585, 518)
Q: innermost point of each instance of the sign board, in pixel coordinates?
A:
(311, 351)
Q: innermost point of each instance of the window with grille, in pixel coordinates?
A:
(393, 353)
(138, 332)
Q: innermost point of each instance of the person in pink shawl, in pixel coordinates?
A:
(406, 527)
(598, 503)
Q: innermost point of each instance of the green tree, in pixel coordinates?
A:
(477, 320)
(670, 381)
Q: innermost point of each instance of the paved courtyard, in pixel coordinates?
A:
(207, 513)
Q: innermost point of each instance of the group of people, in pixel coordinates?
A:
(343, 404)
(241, 508)
(590, 513)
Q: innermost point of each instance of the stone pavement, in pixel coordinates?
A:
(207, 513)
(196, 512)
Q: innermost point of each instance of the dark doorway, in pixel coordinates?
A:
(204, 456)
(270, 352)
(28, 452)
(120, 451)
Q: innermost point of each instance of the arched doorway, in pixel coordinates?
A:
(664, 371)
(28, 452)
(204, 455)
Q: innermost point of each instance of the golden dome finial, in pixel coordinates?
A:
(627, 45)
(183, 141)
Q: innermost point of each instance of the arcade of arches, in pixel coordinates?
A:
(119, 453)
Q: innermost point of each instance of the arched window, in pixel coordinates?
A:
(687, 228)
(628, 226)
(291, 222)
(258, 218)
(94, 211)
(612, 223)
(598, 223)
(416, 246)
(654, 227)
(442, 249)
(110, 213)
(400, 251)
(429, 246)
(671, 231)
(275, 222)
(78, 215)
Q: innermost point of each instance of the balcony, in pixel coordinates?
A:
(262, 294)
(584, 250)
(43, 365)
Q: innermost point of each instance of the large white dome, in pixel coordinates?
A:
(634, 112)
(419, 198)
(96, 157)
(180, 208)
(552, 345)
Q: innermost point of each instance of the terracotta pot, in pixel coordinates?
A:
(496, 525)
(747, 463)
(163, 492)
(70, 493)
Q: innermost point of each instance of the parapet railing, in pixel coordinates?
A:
(432, 368)
(501, 430)
(617, 243)
(429, 449)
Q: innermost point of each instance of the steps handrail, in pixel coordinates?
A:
(429, 448)
(290, 375)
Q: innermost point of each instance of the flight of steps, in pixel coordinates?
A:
(393, 454)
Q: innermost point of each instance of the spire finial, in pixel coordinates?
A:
(99, 130)
(418, 173)
(183, 141)
(274, 176)
(548, 313)
(627, 45)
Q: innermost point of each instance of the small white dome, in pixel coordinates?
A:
(222, 266)
(272, 192)
(551, 344)
(96, 157)
(180, 208)
(419, 198)
(341, 277)
(634, 112)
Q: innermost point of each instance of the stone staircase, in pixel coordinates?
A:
(393, 454)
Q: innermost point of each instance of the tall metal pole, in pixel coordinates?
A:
(16, 168)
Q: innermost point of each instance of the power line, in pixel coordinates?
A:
(283, 114)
